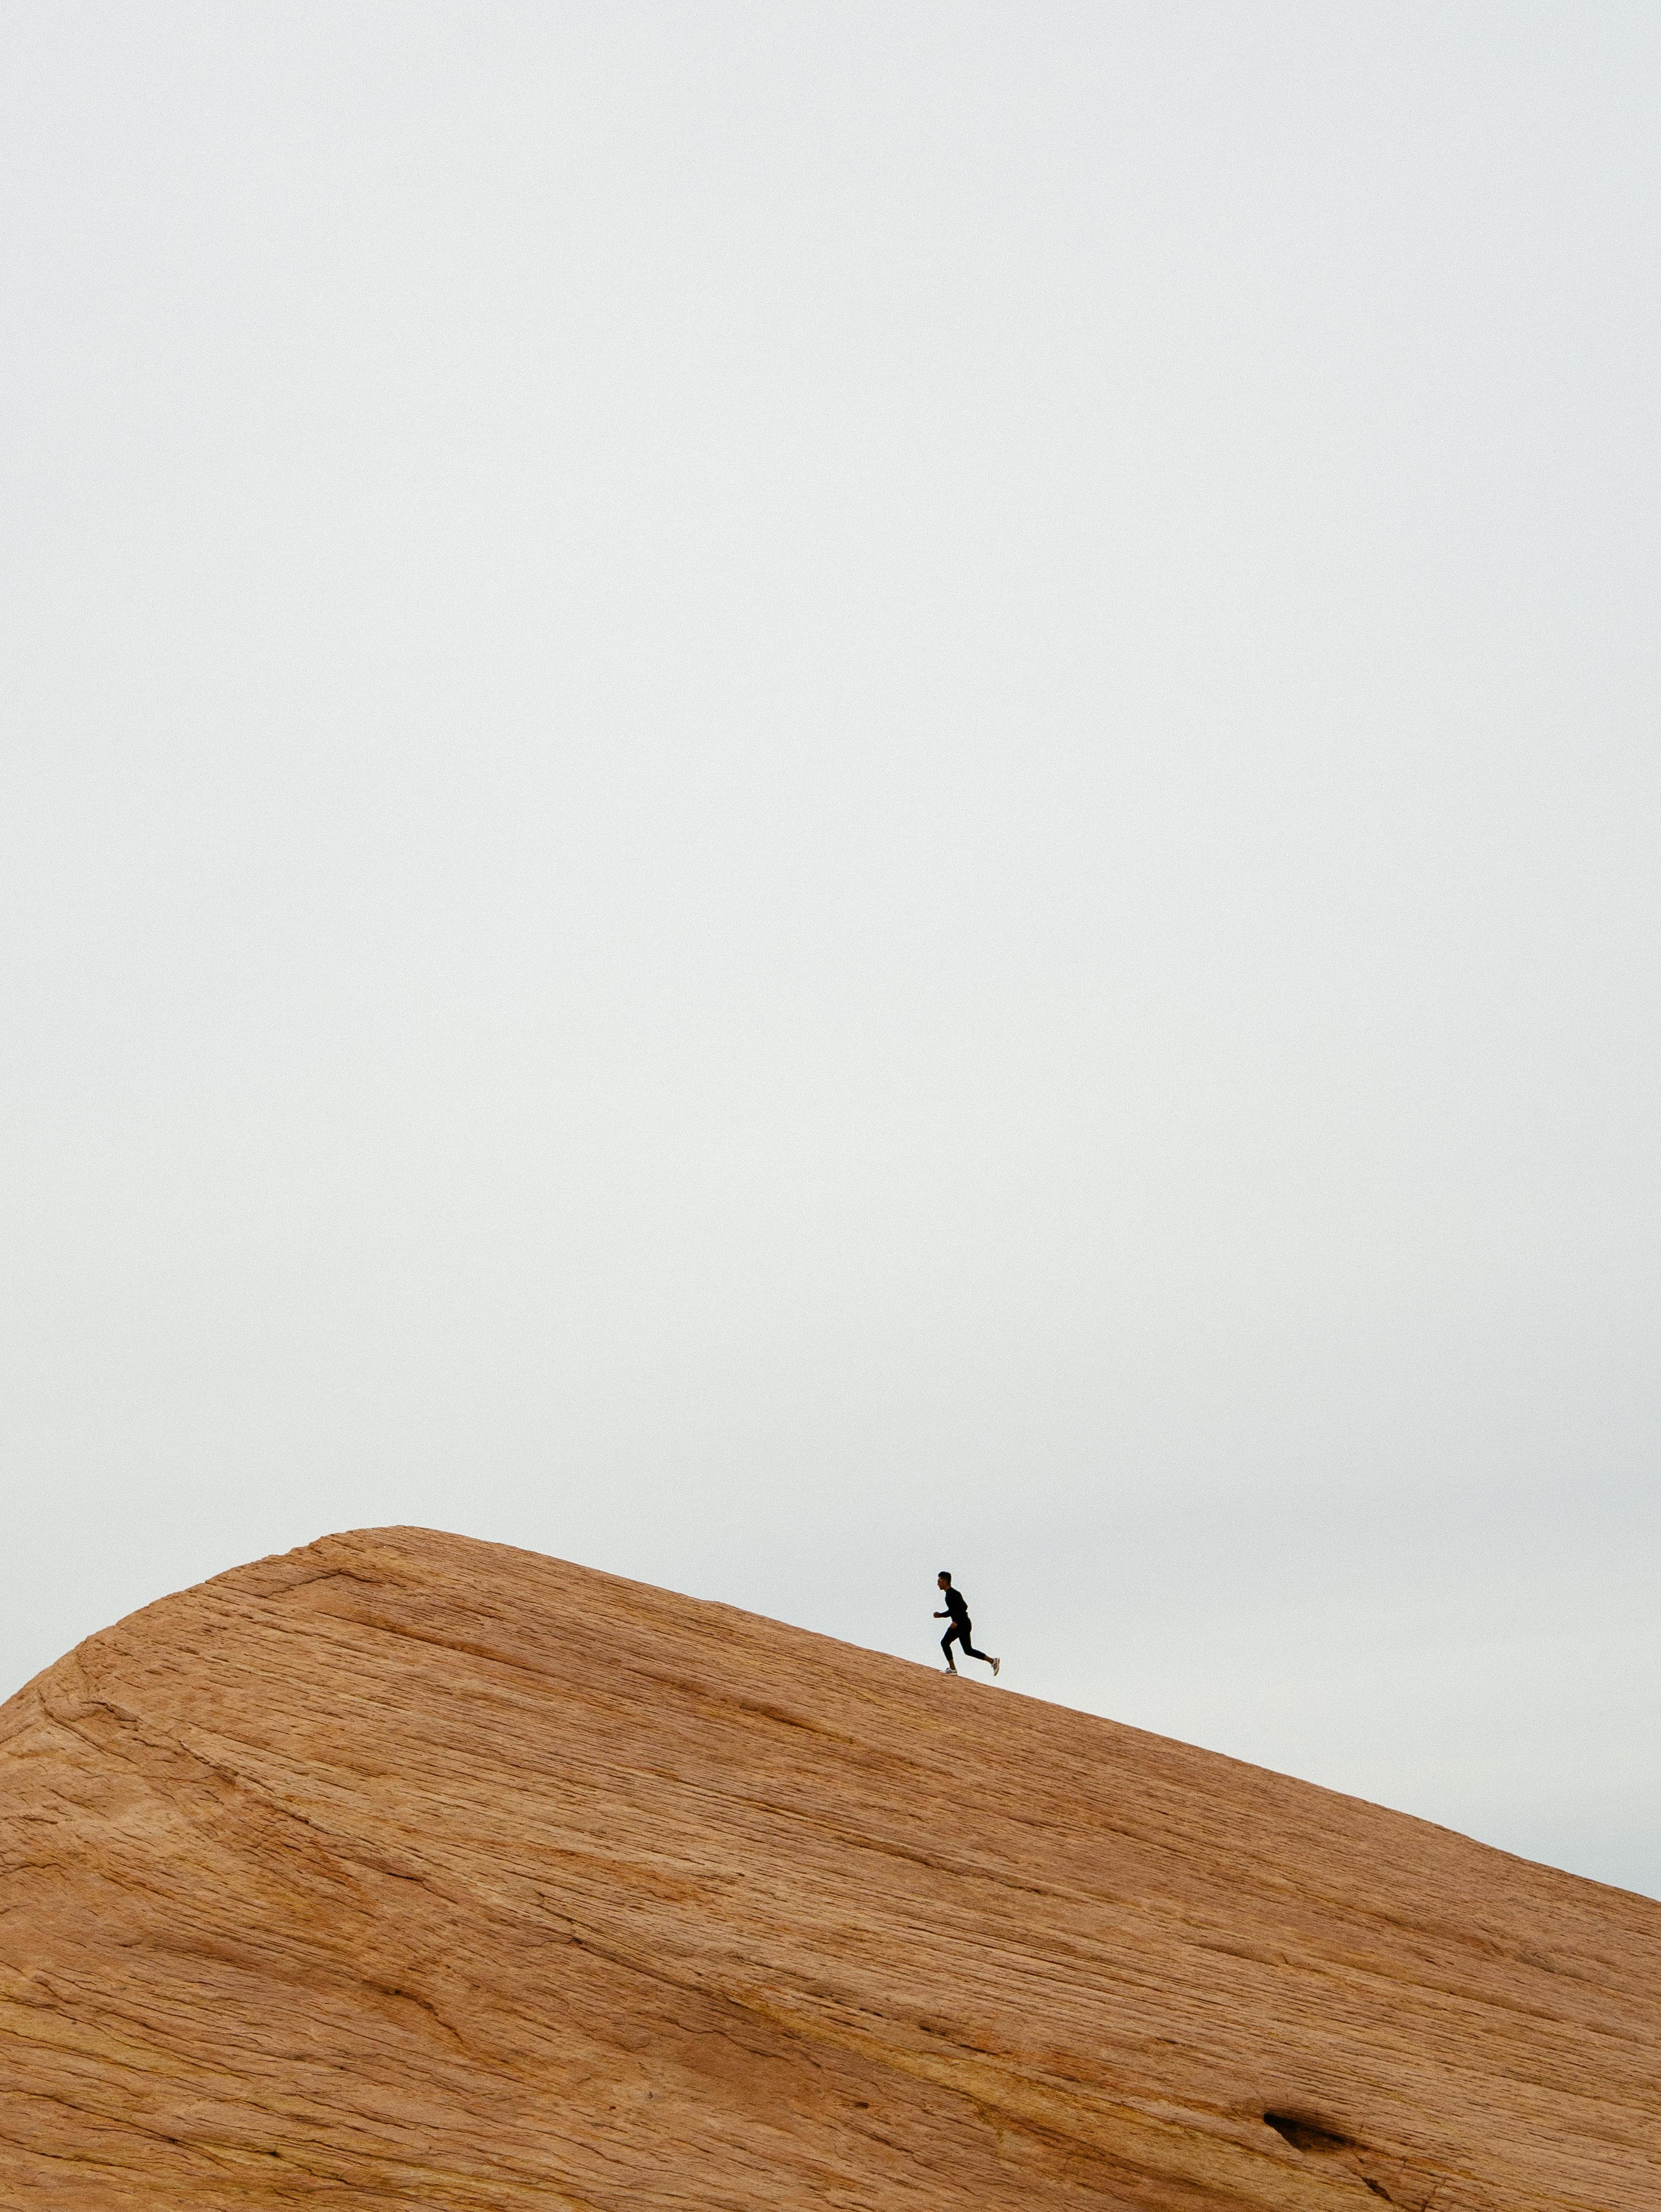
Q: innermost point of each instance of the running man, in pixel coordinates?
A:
(957, 1611)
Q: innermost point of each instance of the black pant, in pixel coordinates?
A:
(960, 1629)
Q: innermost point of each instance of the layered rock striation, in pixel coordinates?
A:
(405, 1870)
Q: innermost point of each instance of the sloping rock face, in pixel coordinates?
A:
(407, 1870)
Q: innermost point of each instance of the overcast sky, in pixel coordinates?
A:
(794, 793)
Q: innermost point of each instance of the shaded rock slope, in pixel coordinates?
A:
(407, 1870)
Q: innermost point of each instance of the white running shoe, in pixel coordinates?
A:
(996, 1663)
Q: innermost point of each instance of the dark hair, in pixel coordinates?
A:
(945, 1574)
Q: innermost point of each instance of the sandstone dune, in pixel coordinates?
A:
(407, 1870)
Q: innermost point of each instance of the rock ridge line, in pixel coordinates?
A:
(405, 1869)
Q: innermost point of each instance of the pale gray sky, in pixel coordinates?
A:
(792, 793)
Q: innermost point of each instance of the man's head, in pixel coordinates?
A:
(944, 1579)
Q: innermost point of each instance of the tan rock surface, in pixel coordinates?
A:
(407, 1870)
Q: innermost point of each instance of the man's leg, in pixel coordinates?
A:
(945, 1646)
(970, 1652)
